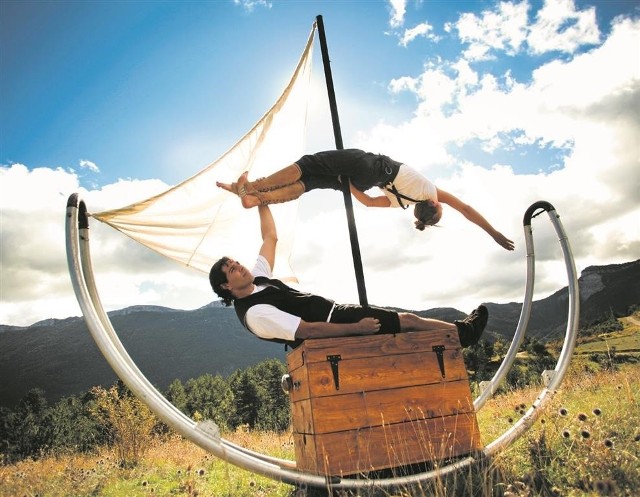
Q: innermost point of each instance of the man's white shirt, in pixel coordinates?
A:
(265, 320)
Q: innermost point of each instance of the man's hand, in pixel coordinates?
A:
(367, 326)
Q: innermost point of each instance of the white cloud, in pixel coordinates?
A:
(91, 166)
(586, 105)
(35, 282)
(440, 84)
(503, 29)
(424, 29)
(250, 5)
(559, 27)
(398, 11)
(506, 29)
(596, 190)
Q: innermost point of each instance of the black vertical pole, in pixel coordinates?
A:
(355, 245)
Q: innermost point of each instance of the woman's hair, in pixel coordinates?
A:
(217, 278)
(426, 213)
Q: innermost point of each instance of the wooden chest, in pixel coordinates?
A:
(373, 402)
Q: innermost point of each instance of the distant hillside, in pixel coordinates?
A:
(603, 290)
(61, 357)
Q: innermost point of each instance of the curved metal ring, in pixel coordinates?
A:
(206, 434)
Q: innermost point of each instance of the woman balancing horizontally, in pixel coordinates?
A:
(401, 184)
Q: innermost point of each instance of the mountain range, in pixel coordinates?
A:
(60, 357)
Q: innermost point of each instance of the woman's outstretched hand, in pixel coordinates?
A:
(503, 241)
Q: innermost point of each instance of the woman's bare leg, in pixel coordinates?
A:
(279, 179)
(284, 177)
(279, 195)
(252, 198)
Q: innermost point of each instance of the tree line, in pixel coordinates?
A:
(251, 397)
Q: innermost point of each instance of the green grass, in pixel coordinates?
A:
(586, 440)
(173, 466)
(624, 341)
(586, 443)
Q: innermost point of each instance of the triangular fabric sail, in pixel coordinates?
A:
(195, 222)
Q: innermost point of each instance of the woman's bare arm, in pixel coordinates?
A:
(475, 217)
(368, 200)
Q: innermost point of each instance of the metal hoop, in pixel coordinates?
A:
(207, 435)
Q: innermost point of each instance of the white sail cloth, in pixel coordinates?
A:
(195, 222)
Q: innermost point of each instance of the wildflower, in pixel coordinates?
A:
(585, 434)
(563, 412)
(582, 416)
(597, 411)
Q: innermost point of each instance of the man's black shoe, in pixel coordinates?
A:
(470, 328)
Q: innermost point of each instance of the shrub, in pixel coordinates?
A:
(128, 421)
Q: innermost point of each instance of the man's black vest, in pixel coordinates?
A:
(309, 307)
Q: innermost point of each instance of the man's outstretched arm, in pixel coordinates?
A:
(319, 329)
(269, 235)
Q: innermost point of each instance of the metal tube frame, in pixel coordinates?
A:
(206, 434)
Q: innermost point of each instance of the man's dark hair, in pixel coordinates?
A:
(217, 278)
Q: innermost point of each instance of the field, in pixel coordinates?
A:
(626, 341)
(586, 443)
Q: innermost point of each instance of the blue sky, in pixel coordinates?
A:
(110, 81)
(100, 94)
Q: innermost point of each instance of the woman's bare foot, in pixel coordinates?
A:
(240, 188)
(231, 187)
